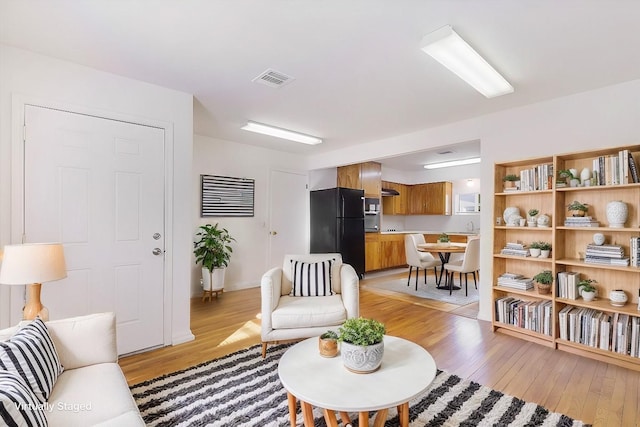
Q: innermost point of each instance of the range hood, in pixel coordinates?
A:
(389, 192)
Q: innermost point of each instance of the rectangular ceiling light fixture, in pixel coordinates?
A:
(449, 49)
(281, 133)
(453, 163)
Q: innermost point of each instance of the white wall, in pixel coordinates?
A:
(25, 75)
(600, 118)
(250, 256)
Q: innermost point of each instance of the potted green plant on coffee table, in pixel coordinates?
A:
(362, 344)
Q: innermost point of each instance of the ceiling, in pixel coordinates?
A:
(360, 75)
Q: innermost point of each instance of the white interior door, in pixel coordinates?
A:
(97, 186)
(289, 215)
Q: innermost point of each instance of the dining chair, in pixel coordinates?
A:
(418, 259)
(470, 264)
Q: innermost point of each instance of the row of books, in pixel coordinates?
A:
(605, 255)
(515, 249)
(515, 281)
(634, 249)
(581, 221)
(616, 169)
(567, 284)
(615, 332)
(539, 177)
(532, 315)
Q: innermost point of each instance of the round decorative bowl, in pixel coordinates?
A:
(618, 298)
(362, 359)
(543, 220)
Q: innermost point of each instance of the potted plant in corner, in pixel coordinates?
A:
(510, 181)
(544, 279)
(328, 344)
(213, 251)
(362, 344)
(587, 290)
(531, 218)
(577, 209)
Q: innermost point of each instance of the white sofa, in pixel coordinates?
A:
(92, 390)
(286, 317)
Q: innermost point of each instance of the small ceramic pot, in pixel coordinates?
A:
(588, 296)
(362, 359)
(535, 253)
(544, 253)
(618, 297)
(328, 347)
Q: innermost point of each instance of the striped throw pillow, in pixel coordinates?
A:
(311, 279)
(31, 355)
(18, 405)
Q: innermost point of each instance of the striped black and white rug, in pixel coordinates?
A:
(242, 389)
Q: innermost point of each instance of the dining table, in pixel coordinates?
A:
(444, 251)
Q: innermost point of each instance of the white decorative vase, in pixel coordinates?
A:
(362, 359)
(585, 175)
(617, 212)
(508, 212)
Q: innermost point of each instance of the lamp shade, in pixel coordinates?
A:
(32, 263)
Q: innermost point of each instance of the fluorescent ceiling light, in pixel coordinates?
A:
(449, 49)
(281, 133)
(453, 163)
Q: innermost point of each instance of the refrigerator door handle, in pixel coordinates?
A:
(342, 206)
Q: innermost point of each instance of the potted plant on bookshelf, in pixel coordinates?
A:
(362, 344)
(531, 218)
(534, 249)
(544, 279)
(577, 209)
(545, 249)
(212, 250)
(510, 181)
(328, 344)
(587, 290)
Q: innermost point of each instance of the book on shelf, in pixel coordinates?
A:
(515, 281)
(633, 170)
(567, 283)
(624, 262)
(539, 177)
(616, 169)
(634, 249)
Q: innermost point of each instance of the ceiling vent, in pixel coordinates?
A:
(273, 78)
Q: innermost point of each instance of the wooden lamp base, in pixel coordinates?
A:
(34, 308)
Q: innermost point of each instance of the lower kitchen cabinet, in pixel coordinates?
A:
(372, 258)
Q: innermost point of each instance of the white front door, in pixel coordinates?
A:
(97, 186)
(289, 216)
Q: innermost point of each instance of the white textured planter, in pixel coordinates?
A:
(617, 212)
(588, 296)
(213, 281)
(535, 253)
(544, 253)
(362, 359)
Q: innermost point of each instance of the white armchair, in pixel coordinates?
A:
(286, 317)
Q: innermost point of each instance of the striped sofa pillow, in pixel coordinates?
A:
(311, 279)
(31, 355)
(18, 405)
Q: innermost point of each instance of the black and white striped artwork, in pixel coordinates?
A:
(227, 196)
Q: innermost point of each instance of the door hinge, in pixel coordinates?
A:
(24, 133)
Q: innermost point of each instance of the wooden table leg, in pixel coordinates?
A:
(381, 417)
(345, 418)
(403, 414)
(330, 418)
(291, 401)
(307, 414)
(363, 418)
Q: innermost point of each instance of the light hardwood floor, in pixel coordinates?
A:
(594, 392)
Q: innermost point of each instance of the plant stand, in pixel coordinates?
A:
(210, 293)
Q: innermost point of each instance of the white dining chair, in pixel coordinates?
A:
(418, 259)
(470, 264)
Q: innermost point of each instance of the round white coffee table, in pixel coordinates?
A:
(406, 371)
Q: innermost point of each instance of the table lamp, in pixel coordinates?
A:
(32, 264)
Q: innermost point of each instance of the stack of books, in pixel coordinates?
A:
(634, 246)
(515, 249)
(580, 221)
(605, 254)
(515, 281)
(568, 284)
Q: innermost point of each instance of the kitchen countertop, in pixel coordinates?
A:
(462, 233)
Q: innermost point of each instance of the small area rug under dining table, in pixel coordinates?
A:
(243, 389)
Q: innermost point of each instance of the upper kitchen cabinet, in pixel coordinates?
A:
(365, 176)
(432, 198)
(395, 205)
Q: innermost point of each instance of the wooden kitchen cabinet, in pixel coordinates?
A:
(453, 238)
(433, 198)
(395, 205)
(362, 176)
(392, 250)
(372, 257)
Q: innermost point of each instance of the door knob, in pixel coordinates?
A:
(157, 251)
(156, 236)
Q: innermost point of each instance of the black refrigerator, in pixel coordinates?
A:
(337, 224)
